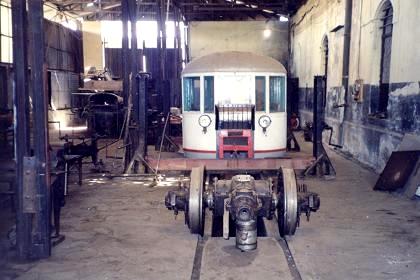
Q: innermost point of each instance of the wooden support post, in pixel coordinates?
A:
(21, 121)
(42, 222)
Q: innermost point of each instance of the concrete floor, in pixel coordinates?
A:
(120, 229)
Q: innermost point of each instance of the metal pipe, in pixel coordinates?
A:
(161, 143)
(346, 61)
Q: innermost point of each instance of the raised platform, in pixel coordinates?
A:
(184, 164)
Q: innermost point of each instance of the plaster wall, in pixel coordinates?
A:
(369, 139)
(210, 37)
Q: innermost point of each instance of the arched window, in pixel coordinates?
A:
(387, 13)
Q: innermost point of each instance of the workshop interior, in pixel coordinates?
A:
(209, 139)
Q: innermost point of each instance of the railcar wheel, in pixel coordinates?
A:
(195, 203)
(287, 212)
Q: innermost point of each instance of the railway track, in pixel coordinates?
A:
(270, 232)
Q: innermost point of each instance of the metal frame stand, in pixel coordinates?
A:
(138, 128)
(322, 165)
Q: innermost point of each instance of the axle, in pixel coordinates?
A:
(242, 200)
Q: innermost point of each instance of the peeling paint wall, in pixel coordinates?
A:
(211, 37)
(369, 139)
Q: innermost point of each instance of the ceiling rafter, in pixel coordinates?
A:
(201, 10)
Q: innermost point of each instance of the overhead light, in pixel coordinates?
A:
(283, 19)
(254, 6)
(267, 33)
(90, 4)
(268, 11)
(73, 128)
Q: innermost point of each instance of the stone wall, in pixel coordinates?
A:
(366, 137)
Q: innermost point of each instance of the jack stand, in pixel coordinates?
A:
(138, 164)
(322, 164)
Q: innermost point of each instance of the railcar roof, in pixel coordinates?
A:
(234, 61)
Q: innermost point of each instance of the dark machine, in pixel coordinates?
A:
(105, 113)
(241, 201)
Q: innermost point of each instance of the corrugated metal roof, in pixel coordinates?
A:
(234, 61)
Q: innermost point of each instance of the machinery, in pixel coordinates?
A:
(105, 114)
(240, 201)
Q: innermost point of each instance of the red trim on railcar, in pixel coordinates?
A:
(198, 151)
(271, 151)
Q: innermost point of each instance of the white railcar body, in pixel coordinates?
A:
(229, 84)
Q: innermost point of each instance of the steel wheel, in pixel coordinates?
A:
(195, 202)
(287, 212)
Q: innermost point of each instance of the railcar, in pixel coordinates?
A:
(234, 106)
(234, 111)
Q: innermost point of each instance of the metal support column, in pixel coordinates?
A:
(176, 43)
(159, 78)
(187, 42)
(346, 63)
(125, 51)
(42, 222)
(163, 29)
(126, 67)
(176, 87)
(21, 121)
(133, 122)
(179, 40)
(163, 83)
(134, 57)
(142, 84)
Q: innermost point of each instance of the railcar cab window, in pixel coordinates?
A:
(208, 94)
(191, 94)
(260, 93)
(277, 94)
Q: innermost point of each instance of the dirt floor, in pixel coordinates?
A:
(120, 229)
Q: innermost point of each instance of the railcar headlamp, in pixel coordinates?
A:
(204, 121)
(264, 121)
